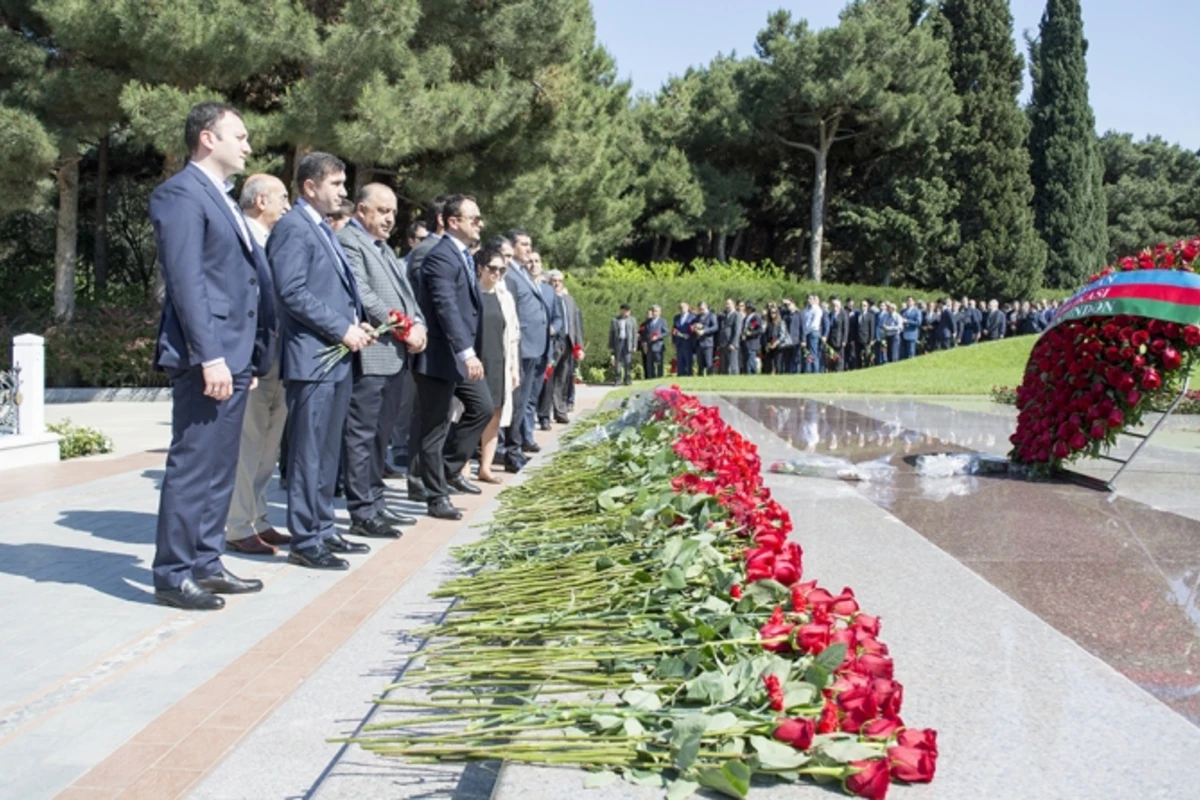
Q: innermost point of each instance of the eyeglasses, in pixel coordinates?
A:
(496, 270)
(475, 219)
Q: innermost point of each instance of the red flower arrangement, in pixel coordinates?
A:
(862, 697)
(1121, 343)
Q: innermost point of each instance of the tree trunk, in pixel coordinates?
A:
(820, 171)
(739, 240)
(362, 176)
(65, 255)
(721, 238)
(100, 246)
(666, 249)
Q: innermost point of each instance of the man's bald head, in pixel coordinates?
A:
(264, 199)
(375, 209)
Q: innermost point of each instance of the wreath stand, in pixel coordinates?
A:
(1111, 484)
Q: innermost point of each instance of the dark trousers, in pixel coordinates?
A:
(838, 364)
(517, 434)
(624, 367)
(704, 360)
(197, 486)
(652, 362)
(444, 449)
(684, 356)
(374, 406)
(553, 400)
(404, 418)
(316, 420)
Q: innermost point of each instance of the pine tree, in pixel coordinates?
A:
(873, 75)
(999, 252)
(1152, 190)
(1068, 200)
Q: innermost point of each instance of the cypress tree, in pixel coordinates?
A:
(1068, 200)
(999, 252)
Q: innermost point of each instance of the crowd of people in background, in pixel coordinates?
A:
(823, 335)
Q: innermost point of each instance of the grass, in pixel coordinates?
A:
(972, 370)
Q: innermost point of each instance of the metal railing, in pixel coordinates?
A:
(10, 400)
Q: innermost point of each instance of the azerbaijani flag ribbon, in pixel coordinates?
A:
(1166, 294)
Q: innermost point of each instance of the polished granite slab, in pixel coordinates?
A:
(1114, 573)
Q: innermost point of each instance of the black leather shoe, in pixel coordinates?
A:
(417, 493)
(532, 447)
(461, 484)
(189, 595)
(376, 527)
(564, 420)
(337, 544)
(315, 558)
(544, 424)
(442, 509)
(225, 582)
(512, 465)
(396, 518)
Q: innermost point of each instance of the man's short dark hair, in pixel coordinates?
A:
(514, 233)
(413, 227)
(454, 205)
(497, 243)
(316, 167)
(204, 117)
(624, 306)
(435, 212)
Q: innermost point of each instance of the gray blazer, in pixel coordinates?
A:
(383, 287)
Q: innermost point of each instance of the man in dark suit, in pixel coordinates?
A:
(448, 295)
(839, 334)
(375, 398)
(752, 332)
(572, 336)
(681, 337)
(534, 312)
(704, 338)
(622, 338)
(653, 337)
(946, 328)
(321, 308)
(865, 335)
(995, 325)
(729, 338)
(214, 338)
(539, 403)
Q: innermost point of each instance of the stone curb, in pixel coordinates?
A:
(154, 394)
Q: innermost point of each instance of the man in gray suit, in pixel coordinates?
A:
(397, 462)
(375, 398)
(534, 311)
(729, 338)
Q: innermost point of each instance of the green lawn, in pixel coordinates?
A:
(972, 370)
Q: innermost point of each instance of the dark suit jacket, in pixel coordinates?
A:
(219, 296)
(706, 338)
(729, 330)
(864, 332)
(997, 325)
(622, 347)
(752, 331)
(651, 328)
(946, 325)
(575, 333)
(839, 329)
(449, 298)
(318, 296)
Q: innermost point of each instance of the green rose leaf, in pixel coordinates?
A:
(674, 579)
(680, 789)
(641, 700)
(733, 779)
(831, 657)
(775, 755)
(845, 750)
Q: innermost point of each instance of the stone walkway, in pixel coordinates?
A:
(107, 694)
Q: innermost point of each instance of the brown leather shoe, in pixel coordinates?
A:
(251, 546)
(272, 536)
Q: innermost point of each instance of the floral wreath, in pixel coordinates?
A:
(1118, 348)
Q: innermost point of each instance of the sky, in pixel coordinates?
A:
(1142, 57)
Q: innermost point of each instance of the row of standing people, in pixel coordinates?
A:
(821, 336)
(270, 316)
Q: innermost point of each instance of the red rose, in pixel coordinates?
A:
(1126, 334)
(797, 731)
(775, 628)
(871, 780)
(867, 624)
(1115, 418)
(875, 666)
(1099, 430)
(1110, 331)
(735, 592)
(881, 728)
(912, 764)
(813, 637)
(1139, 338)
(1158, 345)
(1171, 358)
(1191, 335)
(1060, 450)
(1078, 441)
(828, 723)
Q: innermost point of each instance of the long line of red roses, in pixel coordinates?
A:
(864, 698)
(1088, 379)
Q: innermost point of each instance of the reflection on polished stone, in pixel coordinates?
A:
(1119, 577)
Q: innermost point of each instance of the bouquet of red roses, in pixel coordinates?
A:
(577, 352)
(398, 324)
